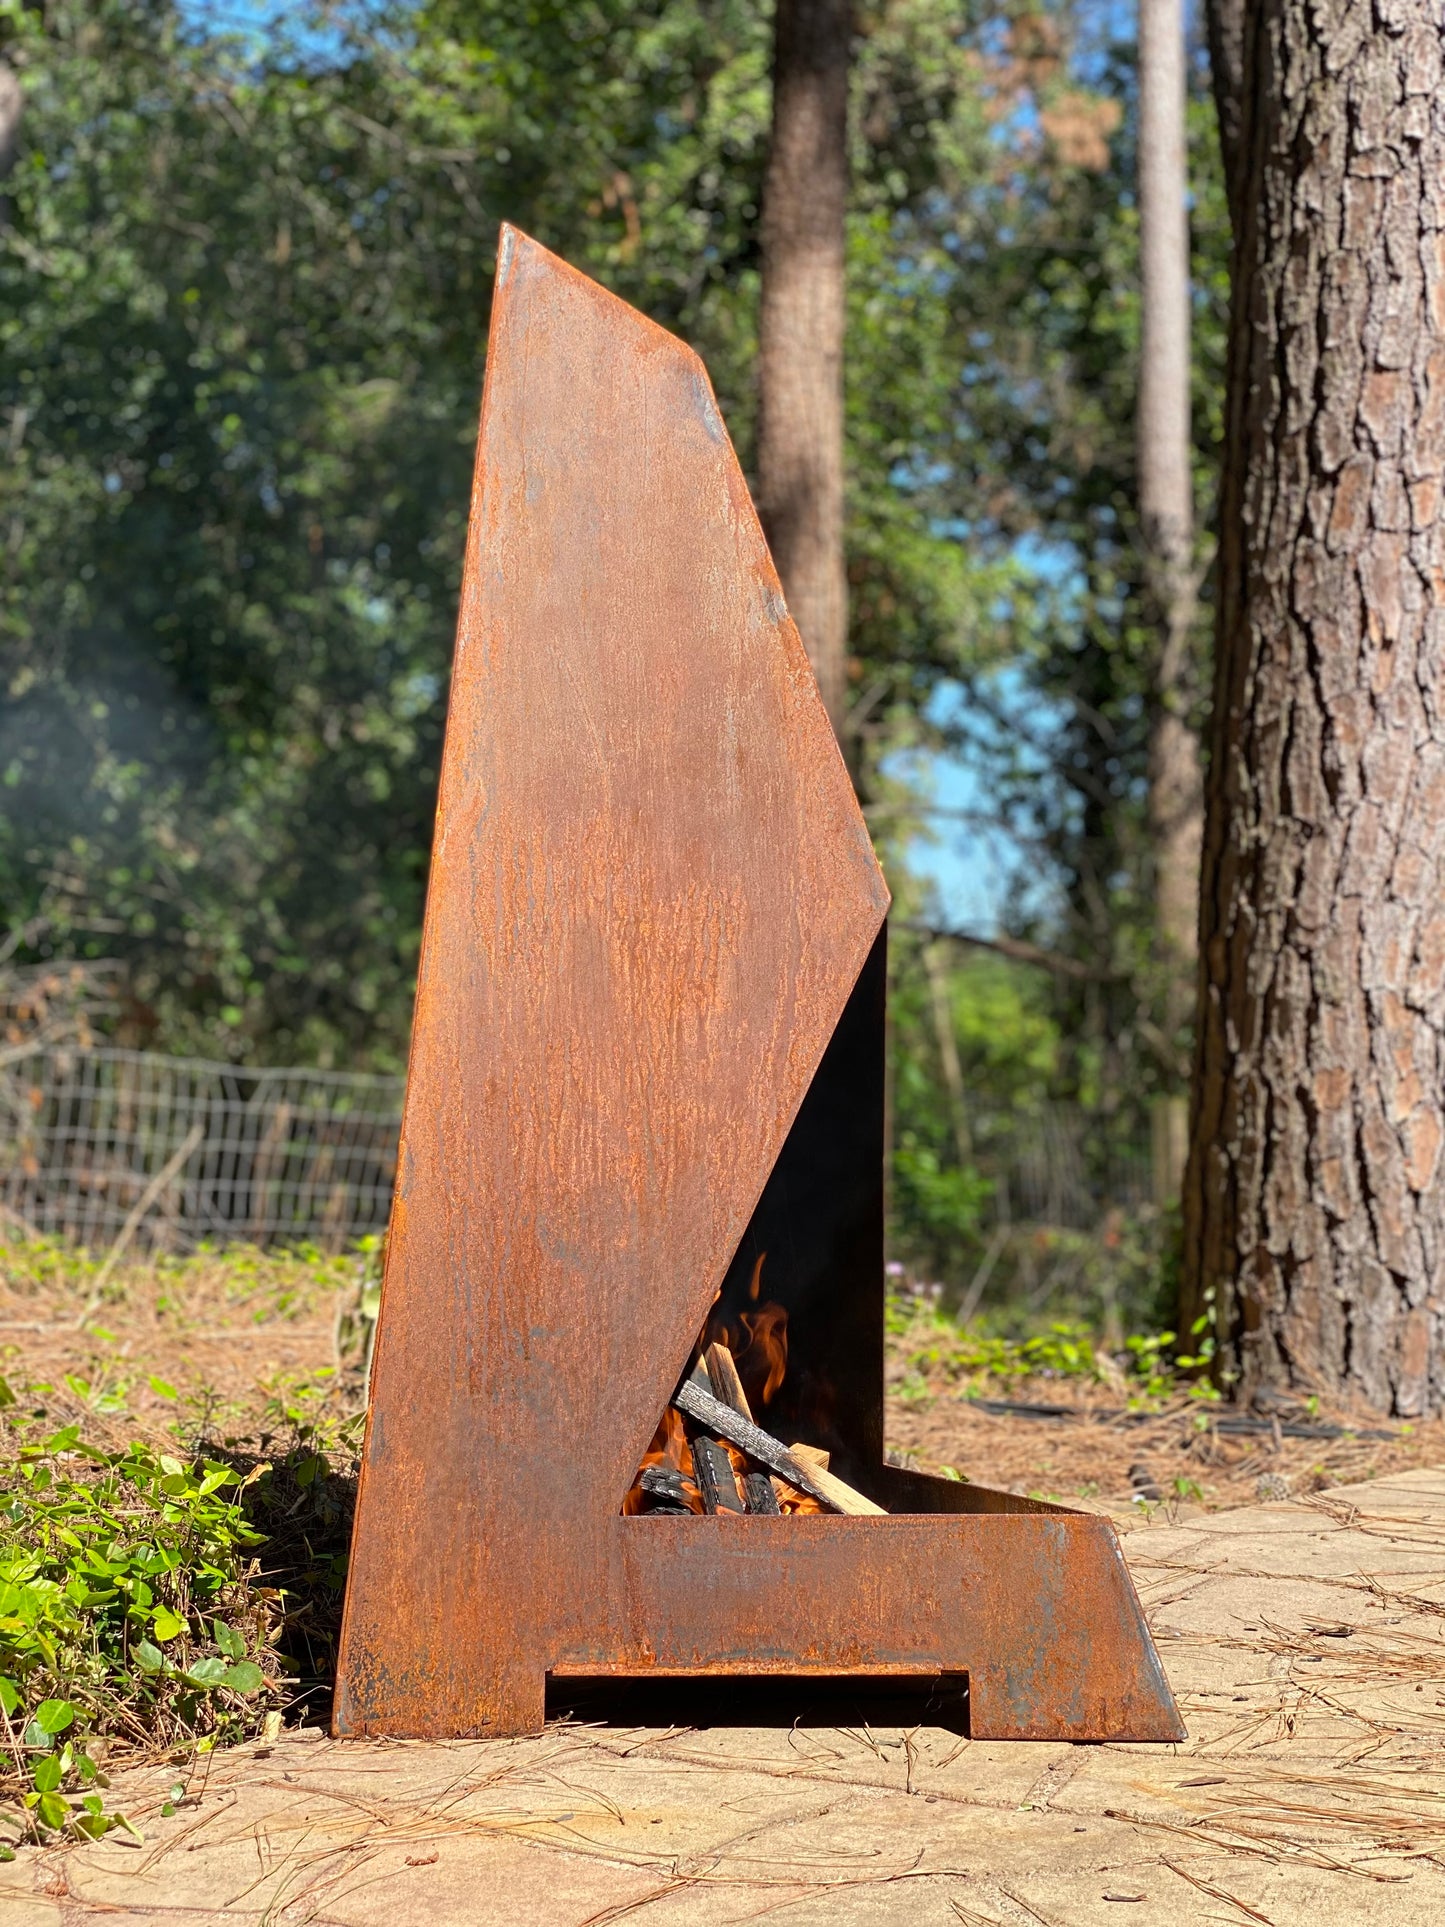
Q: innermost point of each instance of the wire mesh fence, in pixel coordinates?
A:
(99, 1144)
(1055, 1165)
(164, 1153)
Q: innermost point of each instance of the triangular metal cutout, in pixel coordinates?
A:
(806, 1279)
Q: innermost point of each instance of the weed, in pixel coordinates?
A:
(129, 1607)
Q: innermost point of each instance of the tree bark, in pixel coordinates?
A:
(935, 964)
(12, 107)
(1224, 21)
(800, 333)
(1314, 1206)
(1166, 516)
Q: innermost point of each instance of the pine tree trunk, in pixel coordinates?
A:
(800, 343)
(1315, 1208)
(1166, 515)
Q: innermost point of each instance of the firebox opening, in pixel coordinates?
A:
(799, 1313)
(792, 1699)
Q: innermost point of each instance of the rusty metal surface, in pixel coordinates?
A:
(1038, 1610)
(653, 909)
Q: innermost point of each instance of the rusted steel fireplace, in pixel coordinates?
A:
(644, 1116)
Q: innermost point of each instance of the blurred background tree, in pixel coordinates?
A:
(244, 284)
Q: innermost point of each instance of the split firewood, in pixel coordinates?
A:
(662, 1488)
(725, 1423)
(723, 1379)
(716, 1479)
(849, 1501)
(841, 1496)
(761, 1498)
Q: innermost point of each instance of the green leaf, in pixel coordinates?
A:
(36, 1737)
(231, 1643)
(245, 1677)
(207, 1672)
(6, 1852)
(150, 1659)
(9, 1697)
(53, 1716)
(54, 1810)
(167, 1623)
(47, 1774)
(7, 1397)
(162, 1387)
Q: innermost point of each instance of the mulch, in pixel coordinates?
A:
(1078, 1442)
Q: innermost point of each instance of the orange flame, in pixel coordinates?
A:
(763, 1356)
(760, 1351)
(669, 1447)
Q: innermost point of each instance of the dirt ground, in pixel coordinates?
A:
(239, 1357)
(1181, 1445)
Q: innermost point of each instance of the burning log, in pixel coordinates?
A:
(721, 1419)
(663, 1490)
(840, 1495)
(761, 1498)
(723, 1377)
(722, 1374)
(715, 1476)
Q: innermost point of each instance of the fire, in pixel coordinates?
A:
(763, 1355)
(669, 1448)
(760, 1352)
(760, 1345)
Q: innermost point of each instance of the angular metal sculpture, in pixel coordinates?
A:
(648, 1044)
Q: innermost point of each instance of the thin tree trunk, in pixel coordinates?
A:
(12, 107)
(1166, 515)
(1314, 1206)
(936, 964)
(800, 336)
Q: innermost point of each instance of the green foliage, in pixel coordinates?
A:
(936, 1352)
(127, 1605)
(1007, 1048)
(243, 305)
(936, 1346)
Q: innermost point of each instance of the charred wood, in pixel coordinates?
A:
(761, 1498)
(716, 1479)
(701, 1406)
(663, 1490)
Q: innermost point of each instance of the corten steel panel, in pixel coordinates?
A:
(653, 931)
(1038, 1610)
